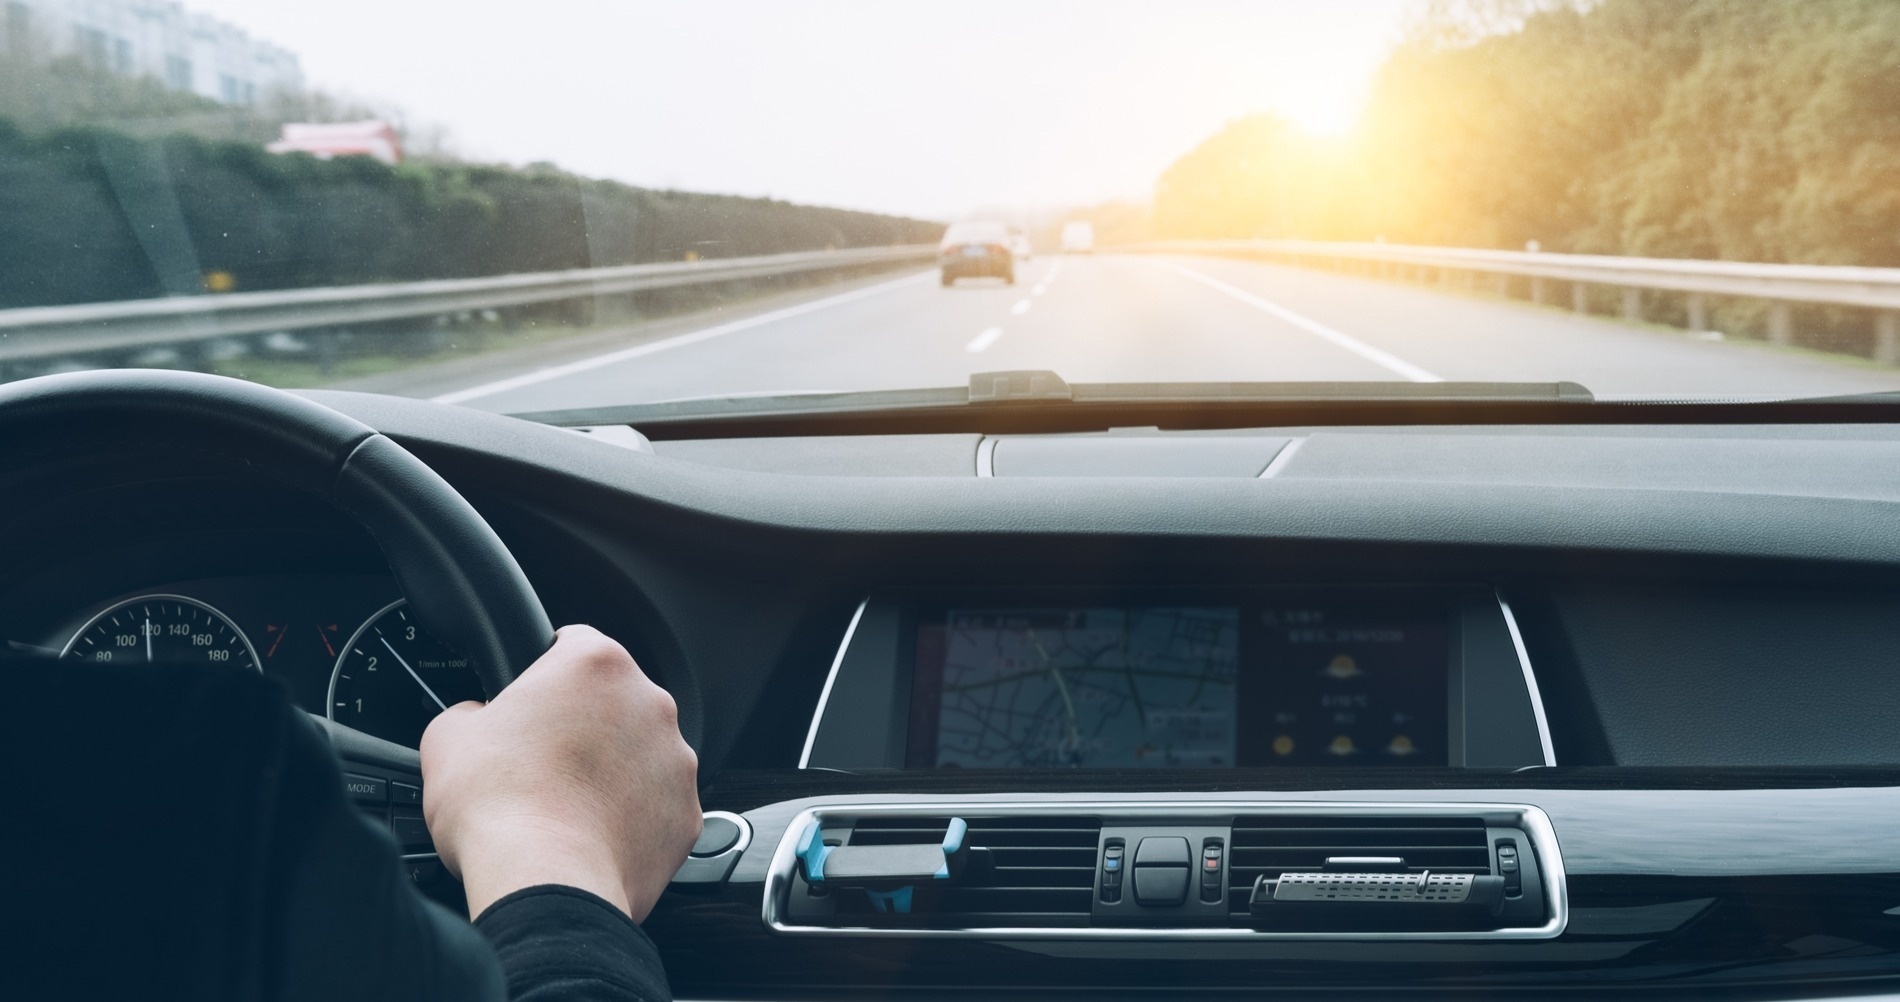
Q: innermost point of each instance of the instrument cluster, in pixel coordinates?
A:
(345, 645)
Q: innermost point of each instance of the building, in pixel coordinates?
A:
(157, 39)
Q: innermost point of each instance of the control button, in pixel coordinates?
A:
(423, 870)
(410, 830)
(366, 789)
(716, 835)
(1510, 867)
(403, 793)
(1162, 850)
(1211, 888)
(1112, 859)
(1157, 886)
(705, 872)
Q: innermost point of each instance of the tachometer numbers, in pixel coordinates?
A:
(392, 678)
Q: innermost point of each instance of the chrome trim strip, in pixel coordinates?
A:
(986, 457)
(1533, 821)
(824, 696)
(1280, 459)
(1530, 680)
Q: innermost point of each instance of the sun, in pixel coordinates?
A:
(1319, 114)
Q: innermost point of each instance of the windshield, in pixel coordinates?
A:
(590, 204)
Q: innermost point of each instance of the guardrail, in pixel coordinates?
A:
(56, 332)
(1780, 285)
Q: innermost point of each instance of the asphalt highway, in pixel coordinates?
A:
(1139, 318)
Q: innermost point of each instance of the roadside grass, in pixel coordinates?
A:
(370, 356)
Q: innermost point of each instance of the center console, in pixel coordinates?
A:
(1250, 678)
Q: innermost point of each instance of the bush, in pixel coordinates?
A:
(92, 214)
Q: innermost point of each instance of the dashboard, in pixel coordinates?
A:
(1626, 691)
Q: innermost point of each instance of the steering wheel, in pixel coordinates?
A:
(462, 584)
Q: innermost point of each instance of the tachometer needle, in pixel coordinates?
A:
(412, 673)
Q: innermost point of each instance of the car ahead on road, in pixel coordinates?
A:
(1019, 244)
(976, 250)
(1078, 237)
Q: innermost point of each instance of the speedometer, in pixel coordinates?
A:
(170, 629)
(393, 678)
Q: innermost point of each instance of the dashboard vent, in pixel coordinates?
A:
(1024, 871)
(1273, 845)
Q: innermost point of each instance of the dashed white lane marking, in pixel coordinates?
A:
(612, 357)
(1021, 307)
(982, 341)
(1377, 356)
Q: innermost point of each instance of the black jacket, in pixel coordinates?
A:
(179, 832)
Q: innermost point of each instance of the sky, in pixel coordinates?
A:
(926, 109)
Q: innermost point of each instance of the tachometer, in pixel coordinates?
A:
(170, 629)
(393, 678)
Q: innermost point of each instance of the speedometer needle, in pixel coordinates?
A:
(148, 640)
(412, 673)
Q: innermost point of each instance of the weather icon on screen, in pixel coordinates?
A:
(1401, 746)
(1343, 666)
(1342, 746)
(1283, 745)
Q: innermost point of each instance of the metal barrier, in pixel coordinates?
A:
(1876, 289)
(55, 332)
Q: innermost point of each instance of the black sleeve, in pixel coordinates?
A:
(352, 925)
(558, 942)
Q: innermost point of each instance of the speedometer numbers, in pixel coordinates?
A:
(392, 678)
(161, 629)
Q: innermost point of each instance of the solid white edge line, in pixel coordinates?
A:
(1021, 307)
(624, 354)
(824, 695)
(1530, 680)
(1280, 459)
(1380, 357)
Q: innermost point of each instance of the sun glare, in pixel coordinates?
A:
(1322, 115)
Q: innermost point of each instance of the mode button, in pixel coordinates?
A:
(366, 789)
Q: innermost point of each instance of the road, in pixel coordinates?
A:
(1130, 318)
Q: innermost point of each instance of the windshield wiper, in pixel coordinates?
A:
(1040, 400)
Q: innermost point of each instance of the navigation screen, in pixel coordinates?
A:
(1098, 688)
(1178, 686)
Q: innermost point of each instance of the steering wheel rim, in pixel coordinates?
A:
(462, 583)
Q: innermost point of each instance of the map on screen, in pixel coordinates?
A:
(1089, 687)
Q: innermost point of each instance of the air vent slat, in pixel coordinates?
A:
(1023, 871)
(1308, 839)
